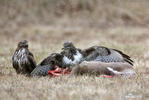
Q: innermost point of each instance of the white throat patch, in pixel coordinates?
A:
(77, 59)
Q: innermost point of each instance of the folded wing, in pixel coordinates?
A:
(103, 54)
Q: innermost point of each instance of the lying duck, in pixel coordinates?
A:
(99, 68)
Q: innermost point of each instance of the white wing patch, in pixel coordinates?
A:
(128, 72)
(114, 71)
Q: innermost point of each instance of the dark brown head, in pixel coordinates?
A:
(68, 49)
(69, 52)
(23, 44)
(68, 44)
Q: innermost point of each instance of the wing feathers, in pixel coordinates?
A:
(104, 54)
(125, 57)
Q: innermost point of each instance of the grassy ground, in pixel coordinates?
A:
(47, 34)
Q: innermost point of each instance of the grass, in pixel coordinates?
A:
(15, 86)
(46, 30)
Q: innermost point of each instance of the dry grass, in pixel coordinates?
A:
(46, 24)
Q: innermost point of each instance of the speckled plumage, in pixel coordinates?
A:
(71, 54)
(103, 54)
(41, 70)
(23, 60)
(47, 64)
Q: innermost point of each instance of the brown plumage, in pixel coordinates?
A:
(98, 68)
(52, 59)
(23, 60)
(71, 54)
(94, 53)
(55, 59)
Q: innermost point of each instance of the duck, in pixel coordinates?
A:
(103, 68)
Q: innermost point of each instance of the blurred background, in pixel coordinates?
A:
(46, 24)
(38, 19)
(121, 24)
